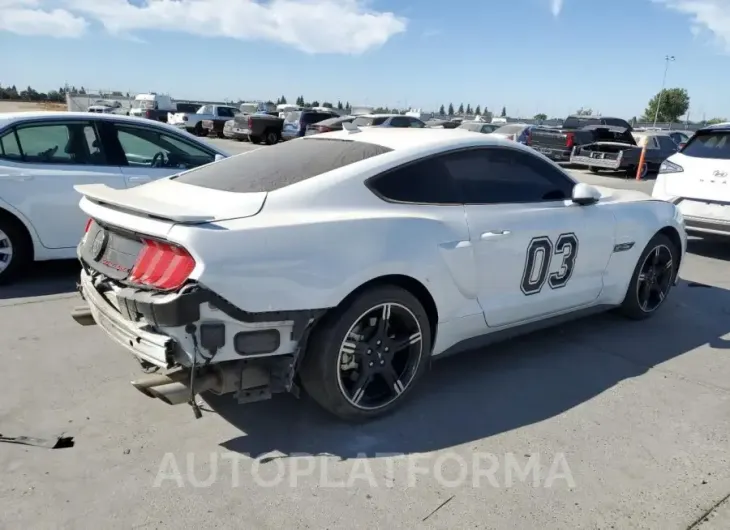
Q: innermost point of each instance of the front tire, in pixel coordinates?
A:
(652, 280)
(15, 250)
(364, 359)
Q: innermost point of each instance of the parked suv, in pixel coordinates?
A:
(296, 122)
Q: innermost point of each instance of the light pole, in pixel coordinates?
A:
(668, 59)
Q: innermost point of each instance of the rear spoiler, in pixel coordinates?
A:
(122, 199)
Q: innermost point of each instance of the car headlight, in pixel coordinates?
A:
(670, 167)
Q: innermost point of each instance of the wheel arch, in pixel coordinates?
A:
(408, 283)
(673, 235)
(27, 230)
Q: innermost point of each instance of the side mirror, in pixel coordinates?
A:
(584, 194)
(219, 157)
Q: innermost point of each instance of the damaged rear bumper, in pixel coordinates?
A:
(145, 344)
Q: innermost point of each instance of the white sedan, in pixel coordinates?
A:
(43, 155)
(344, 261)
(697, 180)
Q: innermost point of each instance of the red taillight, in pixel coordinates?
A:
(88, 225)
(250, 123)
(511, 137)
(528, 138)
(569, 140)
(162, 266)
(681, 146)
(323, 128)
(148, 114)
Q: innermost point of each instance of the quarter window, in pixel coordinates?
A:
(424, 182)
(9, 147)
(56, 143)
(146, 147)
(502, 176)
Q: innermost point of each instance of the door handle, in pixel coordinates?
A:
(494, 234)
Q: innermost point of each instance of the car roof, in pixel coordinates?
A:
(429, 139)
(378, 115)
(7, 118)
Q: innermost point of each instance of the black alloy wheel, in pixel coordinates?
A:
(365, 358)
(653, 278)
(378, 358)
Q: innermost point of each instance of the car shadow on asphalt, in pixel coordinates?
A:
(479, 394)
(42, 279)
(710, 247)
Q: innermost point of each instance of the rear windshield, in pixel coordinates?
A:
(365, 121)
(293, 116)
(281, 165)
(709, 144)
(576, 123)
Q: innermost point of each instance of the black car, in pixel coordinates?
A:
(296, 122)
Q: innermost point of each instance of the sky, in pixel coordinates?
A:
(530, 56)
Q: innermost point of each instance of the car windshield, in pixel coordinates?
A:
(275, 167)
(143, 104)
(709, 144)
(293, 116)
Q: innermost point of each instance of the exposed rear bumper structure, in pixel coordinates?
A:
(154, 348)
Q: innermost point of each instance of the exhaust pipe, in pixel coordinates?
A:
(178, 392)
(145, 384)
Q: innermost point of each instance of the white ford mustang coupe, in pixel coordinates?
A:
(343, 262)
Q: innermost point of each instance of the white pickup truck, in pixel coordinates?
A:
(193, 122)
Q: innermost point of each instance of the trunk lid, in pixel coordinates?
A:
(707, 179)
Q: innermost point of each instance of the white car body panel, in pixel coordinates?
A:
(315, 242)
(42, 196)
(701, 192)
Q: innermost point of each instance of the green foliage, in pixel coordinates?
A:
(674, 104)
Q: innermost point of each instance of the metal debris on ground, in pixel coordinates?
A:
(58, 442)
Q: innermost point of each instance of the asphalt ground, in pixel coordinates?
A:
(600, 424)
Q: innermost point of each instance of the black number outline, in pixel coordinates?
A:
(543, 243)
(566, 246)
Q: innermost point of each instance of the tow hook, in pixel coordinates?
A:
(82, 315)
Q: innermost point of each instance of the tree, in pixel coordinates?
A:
(348, 108)
(442, 111)
(478, 110)
(713, 121)
(328, 105)
(584, 112)
(674, 103)
(504, 112)
(468, 108)
(451, 109)
(300, 101)
(283, 100)
(339, 105)
(315, 103)
(541, 117)
(461, 108)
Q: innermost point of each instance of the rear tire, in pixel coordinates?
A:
(593, 170)
(344, 363)
(254, 139)
(271, 137)
(644, 297)
(16, 249)
(198, 129)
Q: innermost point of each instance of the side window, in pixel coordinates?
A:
(9, 148)
(425, 182)
(666, 143)
(502, 176)
(400, 121)
(416, 123)
(148, 147)
(652, 142)
(225, 112)
(56, 143)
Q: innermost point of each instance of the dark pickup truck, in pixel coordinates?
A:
(617, 149)
(260, 127)
(558, 144)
